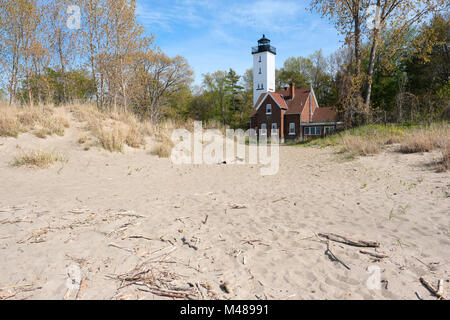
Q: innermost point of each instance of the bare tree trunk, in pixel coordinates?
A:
(12, 82)
(95, 80)
(357, 32)
(63, 69)
(373, 50)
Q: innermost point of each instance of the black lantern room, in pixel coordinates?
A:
(263, 46)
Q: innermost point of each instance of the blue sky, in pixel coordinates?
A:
(218, 35)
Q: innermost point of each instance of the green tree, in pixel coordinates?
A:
(235, 110)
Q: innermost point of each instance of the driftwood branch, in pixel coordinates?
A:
(374, 254)
(333, 257)
(437, 292)
(351, 242)
(80, 288)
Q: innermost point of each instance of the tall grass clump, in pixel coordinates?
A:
(426, 139)
(164, 144)
(111, 139)
(9, 124)
(38, 159)
(113, 129)
(444, 165)
(372, 139)
(41, 120)
(355, 145)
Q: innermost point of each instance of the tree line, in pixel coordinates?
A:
(48, 56)
(393, 66)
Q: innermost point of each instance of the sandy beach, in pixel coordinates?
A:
(219, 231)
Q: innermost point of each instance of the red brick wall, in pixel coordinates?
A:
(305, 113)
(262, 117)
(288, 119)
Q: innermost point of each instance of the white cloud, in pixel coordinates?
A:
(274, 15)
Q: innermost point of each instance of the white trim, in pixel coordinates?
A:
(320, 123)
(314, 94)
(259, 105)
(311, 112)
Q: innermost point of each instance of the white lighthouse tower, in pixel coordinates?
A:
(263, 68)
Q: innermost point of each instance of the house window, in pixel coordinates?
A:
(269, 109)
(292, 128)
(313, 131)
(329, 129)
(274, 128)
(318, 131)
(263, 129)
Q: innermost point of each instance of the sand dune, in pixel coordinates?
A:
(107, 213)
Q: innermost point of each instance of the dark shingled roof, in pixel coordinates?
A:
(296, 105)
(324, 115)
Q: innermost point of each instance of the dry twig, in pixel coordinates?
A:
(437, 292)
(333, 257)
(351, 242)
(374, 254)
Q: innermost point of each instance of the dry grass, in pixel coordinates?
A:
(43, 121)
(111, 138)
(418, 142)
(83, 139)
(38, 159)
(164, 144)
(355, 145)
(9, 124)
(444, 165)
(113, 129)
(372, 139)
(135, 138)
(426, 140)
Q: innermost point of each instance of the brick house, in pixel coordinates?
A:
(294, 112)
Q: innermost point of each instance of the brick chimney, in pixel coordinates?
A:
(292, 90)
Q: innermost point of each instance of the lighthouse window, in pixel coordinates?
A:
(259, 58)
(259, 70)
